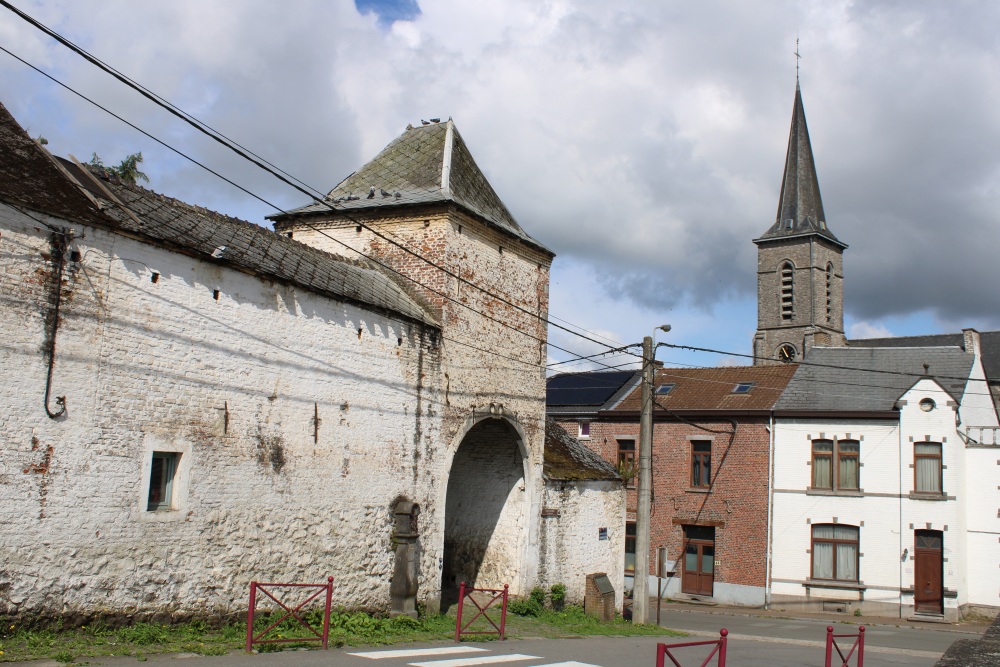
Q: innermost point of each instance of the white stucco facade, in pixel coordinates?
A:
(891, 514)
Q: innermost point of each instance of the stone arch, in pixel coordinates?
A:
(486, 506)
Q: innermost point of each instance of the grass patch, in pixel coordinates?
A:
(346, 629)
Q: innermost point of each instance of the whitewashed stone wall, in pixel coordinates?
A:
(232, 384)
(570, 547)
(492, 352)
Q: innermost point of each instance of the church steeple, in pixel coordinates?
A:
(800, 206)
(799, 261)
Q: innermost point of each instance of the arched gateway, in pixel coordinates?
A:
(486, 509)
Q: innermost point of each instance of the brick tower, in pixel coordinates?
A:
(800, 275)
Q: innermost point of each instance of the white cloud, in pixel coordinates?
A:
(643, 141)
(868, 330)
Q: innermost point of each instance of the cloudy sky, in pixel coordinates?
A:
(642, 141)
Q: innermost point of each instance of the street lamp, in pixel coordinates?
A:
(640, 579)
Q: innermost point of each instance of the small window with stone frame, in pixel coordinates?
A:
(162, 472)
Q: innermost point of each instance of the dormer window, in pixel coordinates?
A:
(665, 389)
(743, 387)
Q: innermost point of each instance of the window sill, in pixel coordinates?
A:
(917, 495)
(698, 490)
(831, 583)
(850, 493)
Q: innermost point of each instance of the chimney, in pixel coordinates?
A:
(971, 342)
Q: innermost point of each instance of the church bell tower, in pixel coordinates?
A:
(800, 270)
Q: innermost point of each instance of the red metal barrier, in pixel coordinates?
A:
(495, 594)
(831, 644)
(663, 650)
(293, 612)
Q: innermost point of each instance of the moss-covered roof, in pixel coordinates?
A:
(567, 459)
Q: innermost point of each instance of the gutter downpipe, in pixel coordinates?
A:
(770, 512)
(902, 563)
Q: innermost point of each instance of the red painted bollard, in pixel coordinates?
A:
(253, 605)
(458, 620)
(858, 645)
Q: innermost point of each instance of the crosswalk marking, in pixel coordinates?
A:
(484, 660)
(571, 663)
(416, 652)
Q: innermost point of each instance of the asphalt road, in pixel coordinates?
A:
(753, 642)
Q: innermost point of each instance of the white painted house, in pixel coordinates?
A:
(880, 499)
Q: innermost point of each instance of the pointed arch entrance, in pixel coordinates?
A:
(485, 509)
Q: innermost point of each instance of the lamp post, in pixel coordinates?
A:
(640, 579)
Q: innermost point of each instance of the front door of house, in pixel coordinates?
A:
(699, 560)
(928, 592)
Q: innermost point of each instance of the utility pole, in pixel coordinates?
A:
(640, 580)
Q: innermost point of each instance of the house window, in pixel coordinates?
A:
(630, 547)
(927, 467)
(836, 464)
(161, 481)
(584, 429)
(627, 466)
(835, 552)
(701, 464)
(787, 291)
(743, 387)
(665, 389)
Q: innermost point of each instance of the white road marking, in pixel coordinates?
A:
(416, 652)
(484, 660)
(568, 664)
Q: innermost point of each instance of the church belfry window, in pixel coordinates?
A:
(787, 291)
(829, 292)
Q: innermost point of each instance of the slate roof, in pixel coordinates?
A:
(30, 176)
(566, 459)
(871, 379)
(989, 346)
(800, 206)
(711, 389)
(424, 165)
(577, 391)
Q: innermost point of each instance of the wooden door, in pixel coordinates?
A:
(699, 560)
(928, 591)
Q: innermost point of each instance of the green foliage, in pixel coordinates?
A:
(143, 634)
(557, 596)
(538, 595)
(63, 656)
(127, 169)
(528, 606)
(857, 612)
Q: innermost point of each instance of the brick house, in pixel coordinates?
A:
(711, 444)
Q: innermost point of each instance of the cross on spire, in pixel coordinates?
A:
(798, 57)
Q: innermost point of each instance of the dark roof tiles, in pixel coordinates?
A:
(567, 459)
(424, 165)
(800, 207)
(850, 379)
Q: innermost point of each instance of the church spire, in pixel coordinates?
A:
(800, 207)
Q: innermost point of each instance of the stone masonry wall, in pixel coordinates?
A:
(493, 349)
(571, 546)
(230, 372)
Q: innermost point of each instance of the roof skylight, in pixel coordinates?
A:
(665, 389)
(743, 387)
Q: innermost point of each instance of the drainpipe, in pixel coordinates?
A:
(902, 562)
(770, 511)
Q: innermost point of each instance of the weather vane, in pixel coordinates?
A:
(798, 57)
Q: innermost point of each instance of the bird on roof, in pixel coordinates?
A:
(397, 195)
(384, 192)
(435, 120)
(371, 193)
(424, 122)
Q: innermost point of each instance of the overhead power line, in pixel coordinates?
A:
(266, 166)
(320, 231)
